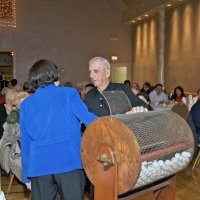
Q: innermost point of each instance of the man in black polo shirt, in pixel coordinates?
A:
(99, 69)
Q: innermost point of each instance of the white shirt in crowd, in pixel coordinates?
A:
(155, 98)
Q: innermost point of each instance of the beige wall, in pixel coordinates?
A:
(182, 45)
(145, 51)
(69, 32)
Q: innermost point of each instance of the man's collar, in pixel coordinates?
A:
(106, 89)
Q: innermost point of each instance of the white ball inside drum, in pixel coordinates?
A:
(168, 162)
(155, 164)
(161, 162)
(143, 176)
(184, 153)
(178, 155)
(174, 159)
(150, 168)
(189, 154)
(174, 162)
(186, 160)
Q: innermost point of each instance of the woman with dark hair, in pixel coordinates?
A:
(147, 88)
(51, 136)
(178, 95)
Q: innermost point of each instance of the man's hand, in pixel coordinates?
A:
(137, 109)
(28, 185)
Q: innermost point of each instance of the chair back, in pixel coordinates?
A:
(181, 109)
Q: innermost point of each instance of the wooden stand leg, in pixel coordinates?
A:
(167, 192)
(196, 162)
(10, 183)
(105, 175)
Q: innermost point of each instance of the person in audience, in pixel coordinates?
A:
(157, 95)
(68, 84)
(10, 97)
(147, 88)
(26, 87)
(15, 85)
(2, 119)
(7, 132)
(10, 154)
(3, 95)
(79, 87)
(9, 84)
(195, 113)
(51, 137)
(178, 95)
(99, 69)
(88, 87)
(1, 76)
(135, 88)
(15, 151)
(128, 83)
(144, 97)
(2, 81)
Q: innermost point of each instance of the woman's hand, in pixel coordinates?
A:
(28, 185)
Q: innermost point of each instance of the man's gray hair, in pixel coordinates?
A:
(101, 60)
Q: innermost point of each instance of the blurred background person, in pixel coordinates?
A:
(88, 87)
(26, 86)
(3, 116)
(135, 88)
(67, 84)
(128, 83)
(147, 88)
(144, 97)
(178, 95)
(157, 95)
(15, 85)
(3, 95)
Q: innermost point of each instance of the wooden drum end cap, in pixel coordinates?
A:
(107, 131)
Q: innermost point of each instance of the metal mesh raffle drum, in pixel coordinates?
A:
(148, 146)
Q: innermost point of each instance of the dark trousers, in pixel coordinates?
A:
(69, 186)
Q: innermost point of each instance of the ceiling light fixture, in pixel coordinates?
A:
(114, 58)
